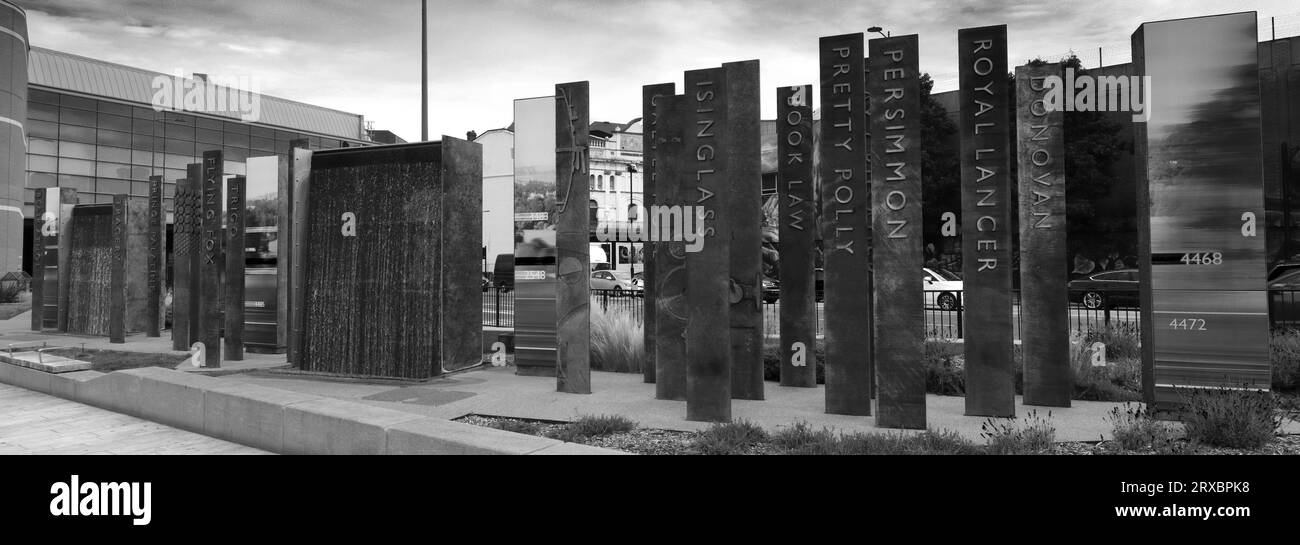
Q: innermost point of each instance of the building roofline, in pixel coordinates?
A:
(156, 73)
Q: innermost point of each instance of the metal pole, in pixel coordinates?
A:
(424, 70)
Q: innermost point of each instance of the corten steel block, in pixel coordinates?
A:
(155, 276)
(671, 185)
(706, 139)
(1044, 263)
(1202, 284)
(90, 286)
(135, 243)
(248, 414)
(846, 225)
(38, 255)
(67, 200)
(744, 181)
(385, 266)
(335, 426)
(211, 257)
(893, 80)
(233, 297)
(650, 97)
(572, 239)
(798, 236)
(300, 183)
(184, 246)
(986, 220)
(284, 254)
(117, 273)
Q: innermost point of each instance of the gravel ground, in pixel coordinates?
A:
(652, 441)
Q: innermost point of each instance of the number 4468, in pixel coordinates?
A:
(1189, 324)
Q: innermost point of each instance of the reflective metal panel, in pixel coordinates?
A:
(535, 217)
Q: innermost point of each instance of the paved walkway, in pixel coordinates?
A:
(35, 423)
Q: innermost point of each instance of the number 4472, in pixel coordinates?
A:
(1188, 324)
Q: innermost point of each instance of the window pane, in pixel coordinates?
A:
(113, 155)
(179, 147)
(235, 128)
(178, 118)
(140, 188)
(41, 179)
(76, 117)
(112, 170)
(112, 187)
(76, 134)
(42, 129)
(44, 112)
(262, 144)
(77, 102)
(143, 113)
(240, 140)
(103, 199)
(114, 122)
(80, 183)
(42, 146)
(207, 123)
(178, 132)
(42, 163)
(172, 175)
(232, 168)
(207, 136)
(45, 97)
(261, 132)
(142, 143)
(143, 158)
(114, 108)
(179, 162)
(76, 151)
(114, 138)
(236, 154)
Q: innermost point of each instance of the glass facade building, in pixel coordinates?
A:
(91, 126)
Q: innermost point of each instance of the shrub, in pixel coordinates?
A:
(729, 438)
(1119, 380)
(1033, 435)
(617, 341)
(1121, 341)
(944, 375)
(527, 427)
(928, 442)
(1134, 428)
(941, 442)
(586, 427)
(10, 294)
(801, 439)
(1233, 418)
(1285, 348)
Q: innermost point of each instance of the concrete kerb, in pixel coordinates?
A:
(278, 420)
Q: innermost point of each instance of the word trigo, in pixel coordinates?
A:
(663, 224)
(93, 499)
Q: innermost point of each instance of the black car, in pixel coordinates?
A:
(1106, 289)
(771, 290)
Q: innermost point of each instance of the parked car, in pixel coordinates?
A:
(1284, 295)
(945, 286)
(1105, 289)
(612, 281)
(487, 281)
(503, 272)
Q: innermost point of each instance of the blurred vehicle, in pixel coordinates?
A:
(503, 272)
(612, 281)
(1284, 295)
(946, 286)
(771, 290)
(487, 281)
(1105, 289)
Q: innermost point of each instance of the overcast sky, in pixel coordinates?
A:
(364, 57)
